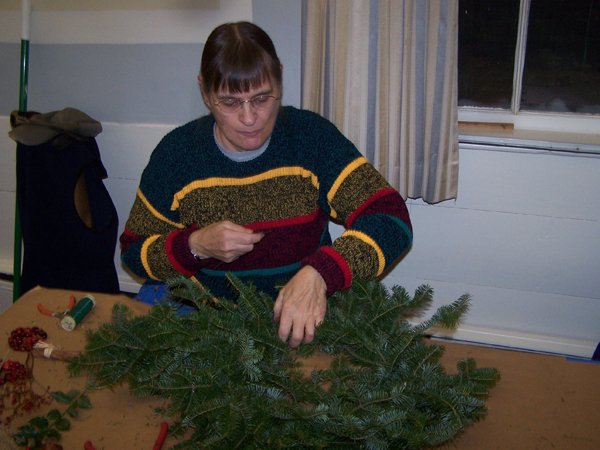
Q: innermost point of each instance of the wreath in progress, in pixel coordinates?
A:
(229, 382)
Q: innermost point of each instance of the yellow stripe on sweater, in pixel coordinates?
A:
(144, 255)
(219, 181)
(340, 179)
(369, 241)
(155, 212)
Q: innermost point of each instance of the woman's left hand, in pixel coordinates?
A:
(300, 306)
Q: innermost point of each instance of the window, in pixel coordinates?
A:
(527, 58)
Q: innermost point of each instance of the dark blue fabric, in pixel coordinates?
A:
(60, 251)
(153, 293)
(596, 355)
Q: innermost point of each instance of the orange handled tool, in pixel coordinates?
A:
(59, 314)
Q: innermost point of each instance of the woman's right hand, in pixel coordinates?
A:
(225, 241)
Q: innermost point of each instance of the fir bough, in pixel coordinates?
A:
(231, 383)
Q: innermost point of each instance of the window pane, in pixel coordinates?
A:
(562, 60)
(487, 39)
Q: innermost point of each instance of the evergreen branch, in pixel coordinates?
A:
(405, 344)
(389, 311)
(452, 408)
(422, 299)
(447, 316)
(204, 412)
(229, 380)
(364, 406)
(182, 387)
(434, 350)
(359, 359)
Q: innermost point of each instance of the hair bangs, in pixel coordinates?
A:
(239, 74)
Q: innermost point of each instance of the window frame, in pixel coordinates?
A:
(557, 124)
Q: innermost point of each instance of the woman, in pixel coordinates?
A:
(250, 188)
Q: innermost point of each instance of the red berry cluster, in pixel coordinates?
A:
(17, 396)
(12, 371)
(23, 339)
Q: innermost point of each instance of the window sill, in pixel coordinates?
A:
(504, 135)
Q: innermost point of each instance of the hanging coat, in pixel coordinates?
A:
(68, 220)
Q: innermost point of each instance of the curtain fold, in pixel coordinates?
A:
(385, 72)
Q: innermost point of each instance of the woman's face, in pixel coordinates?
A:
(251, 124)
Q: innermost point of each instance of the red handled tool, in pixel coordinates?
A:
(58, 314)
(162, 435)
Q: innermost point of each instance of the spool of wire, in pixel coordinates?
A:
(78, 313)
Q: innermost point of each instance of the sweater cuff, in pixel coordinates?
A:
(179, 252)
(333, 268)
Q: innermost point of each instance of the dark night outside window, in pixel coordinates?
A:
(560, 66)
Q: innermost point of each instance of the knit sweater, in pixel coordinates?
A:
(308, 175)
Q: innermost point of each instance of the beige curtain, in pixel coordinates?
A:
(385, 72)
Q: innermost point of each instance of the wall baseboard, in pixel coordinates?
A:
(5, 295)
(127, 285)
(519, 340)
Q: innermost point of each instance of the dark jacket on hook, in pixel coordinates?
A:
(68, 220)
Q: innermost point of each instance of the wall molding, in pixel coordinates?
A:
(5, 295)
(519, 340)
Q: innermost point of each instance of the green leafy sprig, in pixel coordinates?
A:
(49, 428)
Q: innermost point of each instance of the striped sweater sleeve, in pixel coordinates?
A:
(154, 243)
(377, 225)
(153, 248)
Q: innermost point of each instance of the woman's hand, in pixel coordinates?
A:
(300, 306)
(225, 241)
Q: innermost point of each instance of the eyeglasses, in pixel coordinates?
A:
(230, 105)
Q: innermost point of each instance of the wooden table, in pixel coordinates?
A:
(541, 402)
(116, 420)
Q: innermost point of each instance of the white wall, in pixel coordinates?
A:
(522, 238)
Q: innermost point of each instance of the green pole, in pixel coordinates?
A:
(23, 84)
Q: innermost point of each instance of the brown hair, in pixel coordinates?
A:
(237, 57)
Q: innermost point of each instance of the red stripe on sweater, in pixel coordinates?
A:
(281, 245)
(128, 238)
(342, 264)
(369, 202)
(169, 244)
(281, 223)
